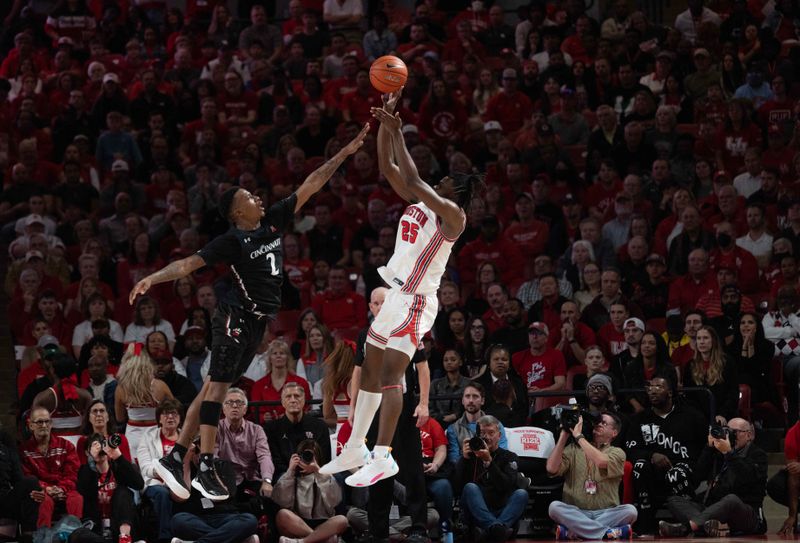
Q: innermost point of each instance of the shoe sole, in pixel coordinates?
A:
(665, 530)
(330, 469)
(172, 483)
(197, 486)
(391, 472)
(711, 528)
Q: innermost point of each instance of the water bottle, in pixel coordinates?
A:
(447, 535)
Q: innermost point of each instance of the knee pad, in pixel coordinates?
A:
(209, 413)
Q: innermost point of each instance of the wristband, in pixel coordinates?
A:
(268, 481)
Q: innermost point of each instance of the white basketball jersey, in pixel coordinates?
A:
(421, 252)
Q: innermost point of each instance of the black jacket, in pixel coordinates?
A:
(284, 437)
(10, 467)
(126, 476)
(497, 482)
(680, 436)
(742, 472)
(726, 392)
(521, 405)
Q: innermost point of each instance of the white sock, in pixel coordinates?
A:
(366, 407)
(381, 451)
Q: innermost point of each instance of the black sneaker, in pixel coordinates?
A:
(209, 485)
(672, 529)
(171, 472)
(497, 533)
(711, 528)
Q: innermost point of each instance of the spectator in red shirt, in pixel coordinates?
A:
(686, 290)
(54, 462)
(573, 337)
(356, 104)
(728, 254)
(490, 247)
(548, 308)
(711, 303)
(420, 44)
(237, 106)
(527, 233)
(496, 297)
(611, 336)
(280, 370)
(542, 368)
(464, 43)
(509, 107)
(599, 197)
(339, 308)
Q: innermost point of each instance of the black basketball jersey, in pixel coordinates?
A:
(255, 259)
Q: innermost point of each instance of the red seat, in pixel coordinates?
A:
(572, 372)
(628, 496)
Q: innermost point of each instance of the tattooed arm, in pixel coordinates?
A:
(175, 270)
(317, 179)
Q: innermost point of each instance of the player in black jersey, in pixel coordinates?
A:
(252, 250)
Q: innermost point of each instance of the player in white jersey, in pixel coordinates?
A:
(425, 236)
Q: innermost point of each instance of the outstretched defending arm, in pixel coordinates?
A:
(317, 179)
(175, 270)
(449, 212)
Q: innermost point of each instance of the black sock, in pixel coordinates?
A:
(178, 452)
(206, 461)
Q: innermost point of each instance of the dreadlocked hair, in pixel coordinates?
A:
(467, 187)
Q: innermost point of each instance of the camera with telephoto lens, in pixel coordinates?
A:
(476, 443)
(113, 441)
(569, 414)
(307, 456)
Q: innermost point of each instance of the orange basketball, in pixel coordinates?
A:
(388, 73)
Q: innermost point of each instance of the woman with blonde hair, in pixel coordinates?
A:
(281, 369)
(138, 394)
(334, 388)
(711, 369)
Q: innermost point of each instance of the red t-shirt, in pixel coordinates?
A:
(611, 341)
(359, 105)
(682, 356)
(602, 198)
(791, 445)
(166, 445)
(339, 312)
(529, 239)
(432, 436)
(539, 370)
(237, 106)
(510, 111)
(264, 391)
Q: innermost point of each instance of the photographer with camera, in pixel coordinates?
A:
(592, 473)
(308, 499)
(488, 478)
(736, 472)
(473, 399)
(663, 442)
(105, 483)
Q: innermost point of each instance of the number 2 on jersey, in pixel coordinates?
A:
(272, 267)
(409, 231)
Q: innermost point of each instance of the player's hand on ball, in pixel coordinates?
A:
(357, 142)
(141, 287)
(390, 100)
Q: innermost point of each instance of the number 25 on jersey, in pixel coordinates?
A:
(408, 231)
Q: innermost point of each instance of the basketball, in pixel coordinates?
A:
(388, 73)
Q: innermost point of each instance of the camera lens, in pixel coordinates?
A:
(114, 441)
(307, 456)
(476, 443)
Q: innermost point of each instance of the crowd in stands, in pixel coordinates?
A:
(639, 235)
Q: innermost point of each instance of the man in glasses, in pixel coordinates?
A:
(736, 472)
(663, 443)
(52, 460)
(244, 444)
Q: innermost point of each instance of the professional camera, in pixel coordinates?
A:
(307, 456)
(113, 441)
(476, 443)
(718, 431)
(569, 414)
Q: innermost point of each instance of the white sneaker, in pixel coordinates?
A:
(350, 458)
(374, 470)
(179, 540)
(284, 539)
(252, 539)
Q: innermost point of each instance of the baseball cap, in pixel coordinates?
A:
(431, 55)
(410, 129)
(539, 327)
(120, 166)
(701, 52)
(566, 90)
(46, 340)
(492, 125)
(33, 219)
(194, 330)
(633, 322)
(665, 55)
(569, 199)
(30, 255)
(774, 129)
(655, 258)
(66, 40)
(111, 77)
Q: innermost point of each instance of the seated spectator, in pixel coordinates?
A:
(514, 333)
(782, 327)
(214, 521)
(280, 371)
(491, 499)
(529, 292)
(66, 403)
(592, 471)
(541, 368)
(438, 471)
(156, 443)
(757, 241)
(21, 494)
(399, 529)
(596, 314)
(711, 303)
(590, 286)
(595, 363)
(548, 308)
(101, 345)
(473, 351)
(307, 499)
(310, 365)
(53, 462)
(752, 353)
(738, 469)
(651, 362)
(98, 421)
(496, 296)
(490, 246)
(287, 432)
(107, 487)
(712, 369)
(147, 318)
(339, 308)
(467, 425)
(334, 388)
(513, 411)
(453, 383)
(195, 365)
(664, 441)
(686, 290)
(164, 369)
(94, 307)
(681, 356)
(573, 336)
(611, 337)
(783, 486)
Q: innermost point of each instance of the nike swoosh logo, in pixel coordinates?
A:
(392, 65)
